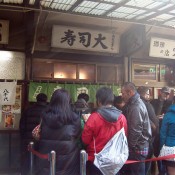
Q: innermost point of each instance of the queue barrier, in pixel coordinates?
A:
(83, 159)
(51, 157)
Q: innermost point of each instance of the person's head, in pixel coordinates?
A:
(144, 92)
(83, 96)
(81, 104)
(41, 97)
(164, 93)
(118, 102)
(60, 105)
(60, 98)
(104, 96)
(128, 90)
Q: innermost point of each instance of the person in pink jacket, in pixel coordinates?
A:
(102, 125)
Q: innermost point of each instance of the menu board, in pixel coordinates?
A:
(10, 114)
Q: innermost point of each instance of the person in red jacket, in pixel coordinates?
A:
(102, 125)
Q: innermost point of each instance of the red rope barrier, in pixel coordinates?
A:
(46, 156)
(153, 159)
(42, 156)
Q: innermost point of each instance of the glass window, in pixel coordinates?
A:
(106, 74)
(86, 72)
(144, 71)
(42, 70)
(65, 71)
(166, 72)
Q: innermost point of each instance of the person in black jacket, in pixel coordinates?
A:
(161, 106)
(154, 121)
(139, 129)
(81, 108)
(60, 131)
(29, 120)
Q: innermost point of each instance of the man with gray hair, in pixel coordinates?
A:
(139, 129)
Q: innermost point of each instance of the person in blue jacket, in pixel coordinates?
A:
(167, 135)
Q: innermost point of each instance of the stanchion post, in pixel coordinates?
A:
(31, 145)
(52, 163)
(83, 160)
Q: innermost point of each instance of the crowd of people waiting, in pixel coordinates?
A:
(67, 128)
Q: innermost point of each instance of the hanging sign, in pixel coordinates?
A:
(84, 39)
(162, 48)
(133, 39)
(35, 89)
(73, 89)
(7, 93)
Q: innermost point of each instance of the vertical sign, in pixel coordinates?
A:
(7, 93)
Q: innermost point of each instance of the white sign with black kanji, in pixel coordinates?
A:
(162, 48)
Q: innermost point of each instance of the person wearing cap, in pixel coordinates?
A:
(161, 106)
(162, 103)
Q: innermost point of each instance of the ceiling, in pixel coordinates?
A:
(151, 12)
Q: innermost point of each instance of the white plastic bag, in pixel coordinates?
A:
(114, 154)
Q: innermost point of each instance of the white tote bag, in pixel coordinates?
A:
(114, 154)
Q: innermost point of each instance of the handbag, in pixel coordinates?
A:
(114, 154)
(36, 132)
(167, 150)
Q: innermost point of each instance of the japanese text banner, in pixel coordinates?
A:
(7, 93)
(162, 48)
(85, 39)
(73, 89)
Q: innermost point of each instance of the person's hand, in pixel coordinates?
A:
(85, 117)
(160, 116)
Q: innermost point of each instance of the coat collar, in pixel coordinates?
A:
(135, 97)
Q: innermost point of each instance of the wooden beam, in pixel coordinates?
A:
(115, 7)
(25, 3)
(157, 13)
(75, 5)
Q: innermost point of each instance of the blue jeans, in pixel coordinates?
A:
(149, 156)
(136, 168)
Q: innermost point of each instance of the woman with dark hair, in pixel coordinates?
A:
(60, 131)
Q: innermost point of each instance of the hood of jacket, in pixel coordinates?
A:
(110, 114)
